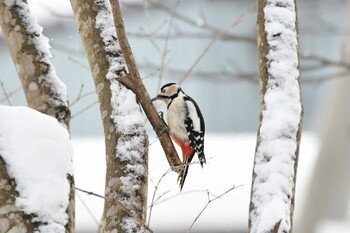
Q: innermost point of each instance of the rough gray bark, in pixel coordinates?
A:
(124, 210)
(35, 71)
(270, 81)
(11, 218)
(43, 90)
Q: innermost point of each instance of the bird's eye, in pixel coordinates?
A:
(163, 90)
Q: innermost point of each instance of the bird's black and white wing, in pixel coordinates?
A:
(195, 128)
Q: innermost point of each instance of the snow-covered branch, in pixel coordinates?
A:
(37, 155)
(125, 135)
(30, 51)
(43, 89)
(275, 165)
(134, 82)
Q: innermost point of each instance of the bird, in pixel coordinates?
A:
(185, 123)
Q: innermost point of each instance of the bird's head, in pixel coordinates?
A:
(168, 92)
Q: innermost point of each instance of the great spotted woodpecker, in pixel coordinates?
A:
(185, 123)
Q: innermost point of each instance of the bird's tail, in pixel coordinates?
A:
(202, 159)
(182, 176)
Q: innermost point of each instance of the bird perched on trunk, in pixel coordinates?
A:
(185, 123)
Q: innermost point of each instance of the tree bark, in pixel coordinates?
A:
(134, 82)
(43, 89)
(278, 139)
(126, 142)
(11, 218)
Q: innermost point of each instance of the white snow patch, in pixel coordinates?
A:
(42, 46)
(129, 225)
(38, 154)
(275, 156)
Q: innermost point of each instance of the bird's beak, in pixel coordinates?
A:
(155, 98)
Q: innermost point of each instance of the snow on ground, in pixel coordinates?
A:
(230, 162)
(38, 154)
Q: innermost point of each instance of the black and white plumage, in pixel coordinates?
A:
(185, 123)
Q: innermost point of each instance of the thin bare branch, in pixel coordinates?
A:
(120, 205)
(154, 195)
(152, 33)
(6, 94)
(210, 201)
(199, 58)
(165, 49)
(78, 62)
(81, 95)
(196, 35)
(10, 94)
(88, 209)
(84, 109)
(325, 61)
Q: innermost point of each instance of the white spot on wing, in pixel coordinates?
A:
(194, 116)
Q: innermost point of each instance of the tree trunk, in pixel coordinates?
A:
(134, 82)
(30, 53)
(11, 218)
(44, 91)
(276, 156)
(125, 136)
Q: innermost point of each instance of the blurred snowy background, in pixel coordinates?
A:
(225, 85)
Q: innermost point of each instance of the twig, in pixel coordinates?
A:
(81, 95)
(78, 97)
(90, 193)
(154, 195)
(152, 33)
(88, 209)
(7, 97)
(120, 205)
(78, 62)
(199, 58)
(197, 35)
(210, 201)
(84, 109)
(222, 76)
(10, 94)
(325, 61)
(166, 45)
(151, 74)
(327, 77)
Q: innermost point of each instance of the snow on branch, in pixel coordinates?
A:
(126, 113)
(38, 156)
(30, 51)
(272, 200)
(124, 126)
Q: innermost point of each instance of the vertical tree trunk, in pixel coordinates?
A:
(43, 89)
(276, 157)
(125, 136)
